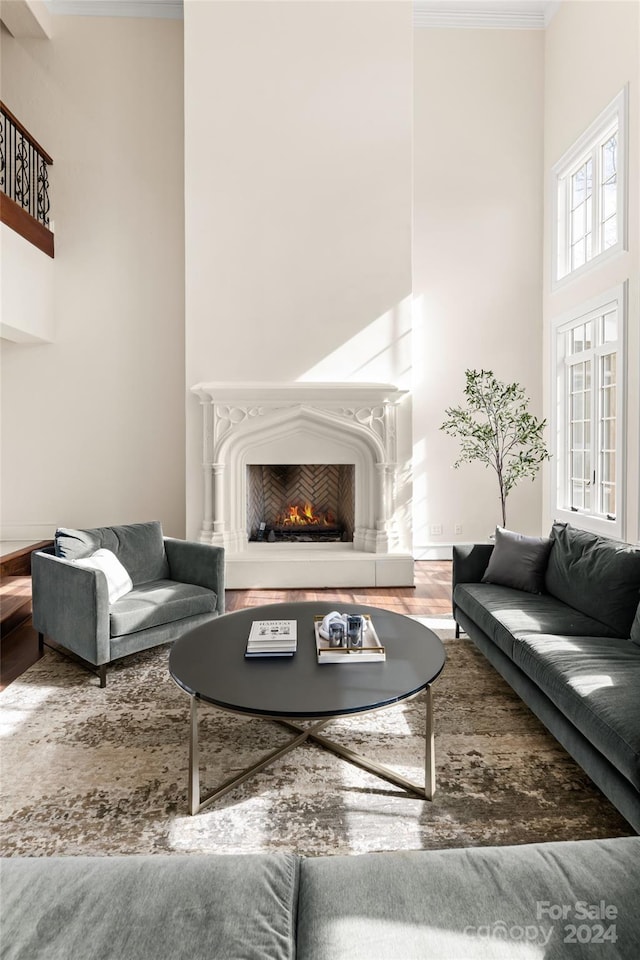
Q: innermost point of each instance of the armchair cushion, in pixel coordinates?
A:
(163, 601)
(138, 546)
(118, 580)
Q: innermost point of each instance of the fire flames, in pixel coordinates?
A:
(304, 516)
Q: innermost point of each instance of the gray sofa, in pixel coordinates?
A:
(574, 900)
(571, 652)
(177, 585)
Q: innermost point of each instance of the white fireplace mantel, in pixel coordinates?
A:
(289, 423)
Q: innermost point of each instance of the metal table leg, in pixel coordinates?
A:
(196, 803)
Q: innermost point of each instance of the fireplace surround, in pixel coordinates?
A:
(365, 427)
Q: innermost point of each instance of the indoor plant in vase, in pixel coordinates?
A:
(496, 428)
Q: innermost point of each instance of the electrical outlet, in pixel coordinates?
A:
(457, 528)
(436, 529)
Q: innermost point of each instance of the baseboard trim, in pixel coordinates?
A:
(32, 532)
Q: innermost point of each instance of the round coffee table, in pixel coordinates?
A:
(209, 664)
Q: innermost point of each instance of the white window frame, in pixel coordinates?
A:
(615, 298)
(615, 115)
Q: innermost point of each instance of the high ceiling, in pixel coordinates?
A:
(513, 14)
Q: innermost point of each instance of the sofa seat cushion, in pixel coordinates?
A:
(595, 683)
(504, 614)
(163, 601)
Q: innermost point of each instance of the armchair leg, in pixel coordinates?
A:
(41, 643)
(102, 673)
(457, 631)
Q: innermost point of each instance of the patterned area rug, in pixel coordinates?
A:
(91, 771)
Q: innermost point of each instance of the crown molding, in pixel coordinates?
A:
(469, 14)
(478, 15)
(157, 9)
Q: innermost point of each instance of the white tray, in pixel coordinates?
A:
(372, 651)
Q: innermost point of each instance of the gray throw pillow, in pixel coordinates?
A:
(517, 561)
(635, 627)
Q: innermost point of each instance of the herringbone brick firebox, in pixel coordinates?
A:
(301, 501)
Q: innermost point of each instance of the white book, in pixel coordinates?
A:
(272, 638)
(267, 631)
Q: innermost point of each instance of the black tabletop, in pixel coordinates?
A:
(209, 663)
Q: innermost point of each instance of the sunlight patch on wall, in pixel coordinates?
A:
(379, 353)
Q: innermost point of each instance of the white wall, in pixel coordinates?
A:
(93, 424)
(591, 51)
(298, 187)
(477, 265)
(26, 290)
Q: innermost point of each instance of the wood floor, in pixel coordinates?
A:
(430, 596)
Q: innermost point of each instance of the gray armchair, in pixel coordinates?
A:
(177, 585)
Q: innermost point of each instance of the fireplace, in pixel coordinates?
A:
(300, 503)
(325, 467)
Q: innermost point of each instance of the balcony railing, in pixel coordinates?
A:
(24, 183)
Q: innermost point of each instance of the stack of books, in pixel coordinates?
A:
(272, 638)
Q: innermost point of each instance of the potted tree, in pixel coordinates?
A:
(496, 428)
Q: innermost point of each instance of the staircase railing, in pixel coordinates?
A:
(24, 183)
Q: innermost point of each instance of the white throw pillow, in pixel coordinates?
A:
(118, 580)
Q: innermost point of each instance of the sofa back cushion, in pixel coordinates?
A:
(595, 575)
(138, 546)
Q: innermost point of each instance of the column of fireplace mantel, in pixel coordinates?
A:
(386, 477)
(218, 536)
(206, 529)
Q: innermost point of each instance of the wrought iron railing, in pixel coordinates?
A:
(24, 179)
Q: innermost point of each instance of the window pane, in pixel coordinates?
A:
(589, 215)
(589, 166)
(577, 465)
(609, 199)
(610, 327)
(609, 499)
(609, 157)
(577, 377)
(609, 434)
(609, 466)
(609, 402)
(610, 232)
(577, 340)
(577, 406)
(609, 369)
(577, 436)
(577, 495)
(577, 254)
(578, 228)
(577, 187)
